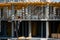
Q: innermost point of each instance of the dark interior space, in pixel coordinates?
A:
(38, 29)
(5, 29)
(23, 29)
(54, 28)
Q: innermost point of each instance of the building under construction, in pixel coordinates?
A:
(29, 20)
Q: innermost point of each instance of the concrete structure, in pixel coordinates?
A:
(29, 20)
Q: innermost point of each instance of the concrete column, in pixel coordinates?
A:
(41, 29)
(12, 29)
(30, 29)
(47, 29)
(47, 17)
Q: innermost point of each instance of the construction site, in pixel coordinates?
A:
(29, 20)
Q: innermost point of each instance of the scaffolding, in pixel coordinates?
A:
(29, 11)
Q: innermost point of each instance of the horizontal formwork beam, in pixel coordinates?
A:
(25, 4)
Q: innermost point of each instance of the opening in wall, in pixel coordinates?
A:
(54, 29)
(23, 29)
(5, 29)
(38, 29)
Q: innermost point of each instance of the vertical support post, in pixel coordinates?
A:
(5, 13)
(47, 17)
(47, 29)
(29, 28)
(23, 12)
(42, 12)
(47, 11)
(9, 13)
(12, 11)
(26, 14)
(29, 12)
(18, 12)
(54, 11)
(41, 29)
(12, 29)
